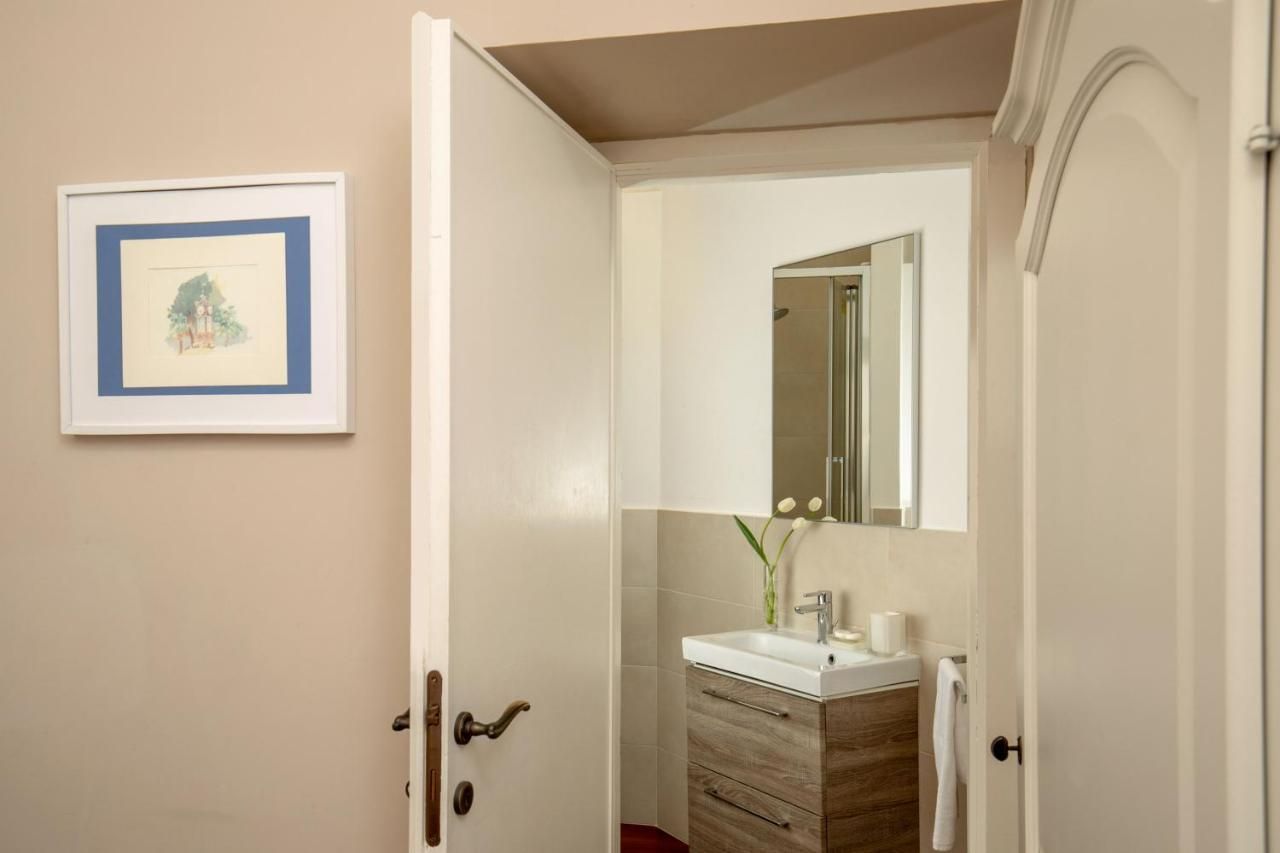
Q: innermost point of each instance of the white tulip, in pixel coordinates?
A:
(798, 524)
(786, 504)
(815, 504)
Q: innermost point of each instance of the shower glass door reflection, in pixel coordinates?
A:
(843, 483)
(817, 391)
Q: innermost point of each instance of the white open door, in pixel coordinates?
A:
(1143, 250)
(511, 484)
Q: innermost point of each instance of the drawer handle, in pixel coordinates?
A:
(760, 708)
(716, 795)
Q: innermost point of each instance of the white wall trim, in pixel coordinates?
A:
(614, 811)
(1251, 46)
(852, 149)
(1042, 30)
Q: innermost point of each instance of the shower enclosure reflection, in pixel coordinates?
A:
(845, 367)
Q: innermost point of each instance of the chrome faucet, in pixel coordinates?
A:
(822, 607)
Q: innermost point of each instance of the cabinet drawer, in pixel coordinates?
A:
(728, 817)
(766, 739)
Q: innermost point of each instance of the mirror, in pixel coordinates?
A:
(845, 382)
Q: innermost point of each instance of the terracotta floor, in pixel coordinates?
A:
(649, 839)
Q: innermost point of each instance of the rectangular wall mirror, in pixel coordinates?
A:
(845, 382)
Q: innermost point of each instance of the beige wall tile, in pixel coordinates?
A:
(640, 705)
(672, 735)
(923, 573)
(639, 624)
(799, 467)
(799, 293)
(848, 559)
(800, 404)
(929, 573)
(681, 616)
(673, 795)
(639, 547)
(706, 555)
(928, 804)
(930, 654)
(639, 772)
(800, 341)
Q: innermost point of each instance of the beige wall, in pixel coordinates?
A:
(202, 639)
(233, 695)
(703, 578)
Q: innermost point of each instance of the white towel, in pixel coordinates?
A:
(950, 750)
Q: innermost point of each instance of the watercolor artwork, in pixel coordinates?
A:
(214, 305)
(204, 312)
(202, 319)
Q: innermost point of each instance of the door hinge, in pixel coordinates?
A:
(1262, 139)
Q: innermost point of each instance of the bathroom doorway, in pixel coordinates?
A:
(955, 152)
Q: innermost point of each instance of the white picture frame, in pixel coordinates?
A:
(133, 361)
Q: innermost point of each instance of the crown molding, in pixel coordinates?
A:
(1042, 29)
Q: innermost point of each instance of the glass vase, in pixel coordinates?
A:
(771, 598)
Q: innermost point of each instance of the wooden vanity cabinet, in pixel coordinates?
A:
(771, 771)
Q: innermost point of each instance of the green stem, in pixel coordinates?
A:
(790, 533)
(765, 529)
(770, 595)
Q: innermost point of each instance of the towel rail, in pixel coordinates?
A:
(959, 659)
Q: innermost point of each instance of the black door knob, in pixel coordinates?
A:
(463, 796)
(401, 723)
(1000, 748)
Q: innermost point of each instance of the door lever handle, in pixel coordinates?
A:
(466, 727)
(401, 723)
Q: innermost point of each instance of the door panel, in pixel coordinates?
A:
(1143, 243)
(1116, 330)
(513, 570)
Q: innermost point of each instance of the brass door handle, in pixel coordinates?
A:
(466, 727)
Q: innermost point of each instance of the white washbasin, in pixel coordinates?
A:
(794, 661)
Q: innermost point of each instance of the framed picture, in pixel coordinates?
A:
(213, 305)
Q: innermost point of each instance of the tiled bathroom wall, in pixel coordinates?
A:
(639, 748)
(692, 573)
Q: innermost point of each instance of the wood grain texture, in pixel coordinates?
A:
(870, 752)
(780, 756)
(847, 766)
(716, 826)
(892, 830)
